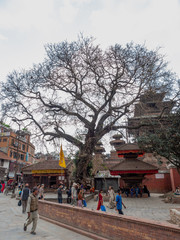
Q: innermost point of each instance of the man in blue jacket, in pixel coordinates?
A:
(119, 203)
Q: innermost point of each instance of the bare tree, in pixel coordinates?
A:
(80, 85)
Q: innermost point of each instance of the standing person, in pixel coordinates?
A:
(80, 198)
(137, 191)
(32, 210)
(38, 187)
(132, 191)
(68, 192)
(119, 203)
(24, 197)
(41, 192)
(140, 191)
(3, 186)
(127, 191)
(111, 197)
(0, 186)
(74, 194)
(100, 201)
(145, 190)
(60, 193)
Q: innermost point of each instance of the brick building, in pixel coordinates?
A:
(15, 145)
(153, 110)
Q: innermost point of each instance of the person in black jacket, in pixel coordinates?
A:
(60, 189)
(24, 197)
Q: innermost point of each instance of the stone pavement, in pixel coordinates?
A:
(149, 208)
(12, 219)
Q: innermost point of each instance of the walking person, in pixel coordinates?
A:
(100, 200)
(24, 197)
(80, 198)
(41, 192)
(111, 197)
(32, 210)
(60, 193)
(119, 203)
(74, 194)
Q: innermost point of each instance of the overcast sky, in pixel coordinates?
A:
(27, 25)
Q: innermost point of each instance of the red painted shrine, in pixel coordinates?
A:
(131, 168)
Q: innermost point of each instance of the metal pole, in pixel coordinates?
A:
(16, 165)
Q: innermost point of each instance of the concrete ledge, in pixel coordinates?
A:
(105, 225)
(175, 216)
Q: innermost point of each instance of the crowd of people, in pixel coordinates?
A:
(135, 191)
(75, 194)
(114, 201)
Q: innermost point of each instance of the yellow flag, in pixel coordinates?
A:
(61, 159)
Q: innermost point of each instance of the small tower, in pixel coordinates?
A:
(99, 149)
(117, 141)
(98, 158)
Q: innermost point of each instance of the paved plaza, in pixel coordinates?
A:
(11, 225)
(149, 208)
(12, 219)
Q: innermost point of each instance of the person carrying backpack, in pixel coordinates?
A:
(24, 197)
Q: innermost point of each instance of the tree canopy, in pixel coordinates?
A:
(81, 85)
(165, 141)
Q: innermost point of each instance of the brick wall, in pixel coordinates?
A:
(154, 184)
(100, 225)
(158, 185)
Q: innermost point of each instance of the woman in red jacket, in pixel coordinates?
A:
(100, 201)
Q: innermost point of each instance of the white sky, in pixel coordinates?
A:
(27, 25)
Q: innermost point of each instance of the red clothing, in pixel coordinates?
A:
(3, 186)
(100, 202)
(80, 197)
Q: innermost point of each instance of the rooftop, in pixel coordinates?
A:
(133, 164)
(44, 165)
(128, 146)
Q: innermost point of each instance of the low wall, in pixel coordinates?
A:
(175, 216)
(64, 200)
(102, 225)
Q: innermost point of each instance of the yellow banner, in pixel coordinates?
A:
(49, 171)
(62, 162)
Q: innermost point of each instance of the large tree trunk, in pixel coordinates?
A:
(85, 157)
(82, 165)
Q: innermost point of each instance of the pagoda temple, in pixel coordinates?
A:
(131, 168)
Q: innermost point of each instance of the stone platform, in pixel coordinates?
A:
(175, 216)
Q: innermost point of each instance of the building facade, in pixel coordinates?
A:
(15, 145)
(46, 172)
(150, 114)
